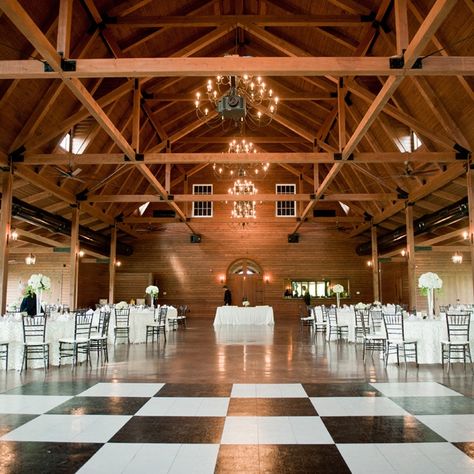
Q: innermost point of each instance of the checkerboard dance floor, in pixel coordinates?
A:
(192, 428)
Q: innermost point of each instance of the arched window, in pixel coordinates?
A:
(244, 266)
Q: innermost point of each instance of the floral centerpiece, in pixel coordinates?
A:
(153, 291)
(428, 282)
(377, 303)
(38, 283)
(360, 305)
(338, 289)
(121, 305)
(245, 302)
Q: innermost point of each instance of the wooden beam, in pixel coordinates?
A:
(401, 26)
(112, 261)
(265, 66)
(74, 258)
(341, 111)
(5, 228)
(64, 28)
(136, 116)
(375, 265)
(411, 258)
(282, 96)
(470, 197)
(267, 220)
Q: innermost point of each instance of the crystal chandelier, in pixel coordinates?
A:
(456, 258)
(241, 170)
(30, 259)
(245, 208)
(239, 99)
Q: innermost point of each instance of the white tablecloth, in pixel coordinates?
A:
(236, 315)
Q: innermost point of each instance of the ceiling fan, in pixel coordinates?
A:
(69, 173)
(150, 229)
(410, 172)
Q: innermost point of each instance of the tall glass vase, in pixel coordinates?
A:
(430, 296)
(338, 300)
(39, 294)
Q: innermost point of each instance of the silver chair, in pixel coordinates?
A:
(4, 353)
(396, 340)
(122, 324)
(306, 316)
(158, 326)
(361, 323)
(371, 342)
(341, 330)
(35, 346)
(98, 341)
(457, 346)
(80, 343)
(375, 315)
(181, 318)
(319, 319)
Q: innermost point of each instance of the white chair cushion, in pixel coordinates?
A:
(375, 337)
(455, 343)
(402, 341)
(71, 340)
(96, 337)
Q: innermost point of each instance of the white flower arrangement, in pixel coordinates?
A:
(338, 288)
(152, 290)
(430, 280)
(245, 303)
(121, 305)
(38, 282)
(376, 303)
(360, 306)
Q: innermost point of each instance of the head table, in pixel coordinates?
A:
(60, 326)
(236, 315)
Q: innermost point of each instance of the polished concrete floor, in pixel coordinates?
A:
(238, 399)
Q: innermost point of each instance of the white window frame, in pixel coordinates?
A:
(211, 187)
(289, 194)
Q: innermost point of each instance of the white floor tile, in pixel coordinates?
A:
(356, 406)
(68, 428)
(156, 458)
(244, 390)
(310, 430)
(240, 430)
(275, 430)
(29, 404)
(122, 390)
(414, 389)
(195, 458)
(365, 459)
(454, 428)
(180, 406)
(447, 457)
(280, 390)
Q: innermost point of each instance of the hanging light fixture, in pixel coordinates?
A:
(232, 170)
(30, 259)
(238, 99)
(13, 234)
(456, 258)
(245, 208)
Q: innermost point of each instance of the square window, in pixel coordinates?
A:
(285, 208)
(202, 208)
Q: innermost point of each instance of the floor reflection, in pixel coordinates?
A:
(244, 334)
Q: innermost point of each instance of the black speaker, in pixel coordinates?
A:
(195, 239)
(293, 238)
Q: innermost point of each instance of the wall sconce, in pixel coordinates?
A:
(118, 263)
(266, 279)
(465, 235)
(81, 253)
(403, 253)
(369, 263)
(456, 258)
(13, 235)
(30, 259)
(222, 279)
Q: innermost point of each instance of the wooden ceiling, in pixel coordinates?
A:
(121, 77)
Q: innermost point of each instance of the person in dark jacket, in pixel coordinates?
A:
(28, 304)
(306, 296)
(227, 297)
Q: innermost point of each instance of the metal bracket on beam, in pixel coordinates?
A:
(312, 197)
(337, 156)
(367, 18)
(139, 157)
(119, 218)
(461, 152)
(322, 197)
(18, 155)
(398, 62)
(126, 158)
(67, 65)
(82, 196)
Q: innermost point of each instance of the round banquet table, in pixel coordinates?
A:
(236, 315)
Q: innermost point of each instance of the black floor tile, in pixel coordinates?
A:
(53, 388)
(9, 422)
(100, 406)
(355, 389)
(301, 458)
(436, 405)
(171, 429)
(467, 448)
(195, 390)
(30, 457)
(237, 459)
(271, 407)
(379, 429)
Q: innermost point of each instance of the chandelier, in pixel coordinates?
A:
(238, 99)
(245, 208)
(456, 258)
(30, 259)
(241, 170)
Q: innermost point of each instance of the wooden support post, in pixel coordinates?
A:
(136, 116)
(185, 190)
(375, 264)
(470, 197)
(411, 257)
(112, 260)
(300, 190)
(168, 177)
(74, 258)
(5, 227)
(401, 25)
(64, 28)
(315, 177)
(341, 120)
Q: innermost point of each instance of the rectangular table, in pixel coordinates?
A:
(257, 315)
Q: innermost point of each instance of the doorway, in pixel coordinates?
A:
(245, 280)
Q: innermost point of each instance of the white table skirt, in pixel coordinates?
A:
(61, 326)
(236, 315)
